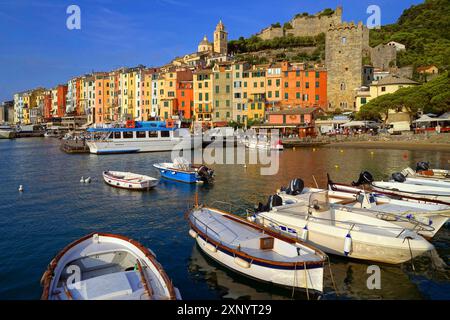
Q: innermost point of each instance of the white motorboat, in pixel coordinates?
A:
(256, 252)
(436, 178)
(424, 218)
(106, 267)
(128, 180)
(7, 132)
(423, 171)
(343, 231)
(396, 188)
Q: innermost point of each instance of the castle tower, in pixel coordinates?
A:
(220, 39)
(346, 45)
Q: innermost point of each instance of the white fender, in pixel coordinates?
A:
(210, 247)
(193, 234)
(347, 244)
(304, 234)
(242, 263)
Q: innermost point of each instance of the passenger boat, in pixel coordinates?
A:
(343, 232)
(104, 266)
(128, 180)
(424, 218)
(181, 170)
(7, 132)
(145, 136)
(256, 252)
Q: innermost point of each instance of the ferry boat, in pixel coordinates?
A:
(141, 136)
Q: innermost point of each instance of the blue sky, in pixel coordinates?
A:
(36, 48)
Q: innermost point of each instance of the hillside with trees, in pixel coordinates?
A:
(425, 31)
(431, 97)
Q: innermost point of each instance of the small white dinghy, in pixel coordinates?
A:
(256, 252)
(128, 180)
(106, 267)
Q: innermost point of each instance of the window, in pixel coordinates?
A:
(217, 76)
(317, 74)
(297, 95)
(286, 96)
(306, 85)
(128, 135)
(383, 89)
(363, 100)
(182, 93)
(317, 97)
(269, 82)
(217, 115)
(277, 94)
(317, 84)
(228, 89)
(259, 106)
(344, 40)
(228, 75)
(286, 84)
(297, 84)
(255, 84)
(278, 82)
(253, 106)
(140, 134)
(297, 73)
(342, 86)
(217, 103)
(286, 74)
(206, 96)
(117, 135)
(166, 115)
(245, 84)
(228, 103)
(217, 89)
(200, 96)
(165, 134)
(153, 134)
(269, 94)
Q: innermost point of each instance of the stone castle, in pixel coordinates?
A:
(345, 46)
(304, 25)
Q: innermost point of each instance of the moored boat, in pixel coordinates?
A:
(103, 266)
(423, 171)
(255, 251)
(181, 170)
(7, 132)
(424, 218)
(145, 136)
(129, 180)
(343, 232)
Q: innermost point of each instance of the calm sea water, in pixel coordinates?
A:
(56, 209)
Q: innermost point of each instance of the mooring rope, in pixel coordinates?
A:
(410, 252)
(332, 278)
(306, 279)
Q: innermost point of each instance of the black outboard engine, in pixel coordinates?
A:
(206, 174)
(398, 177)
(364, 178)
(422, 166)
(295, 187)
(274, 201)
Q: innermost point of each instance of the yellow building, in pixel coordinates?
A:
(388, 84)
(203, 92)
(167, 94)
(254, 92)
(273, 85)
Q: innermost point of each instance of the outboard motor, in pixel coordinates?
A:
(295, 187)
(398, 177)
(206, 174)
(364, 178)
(274, 201)
(422, 166)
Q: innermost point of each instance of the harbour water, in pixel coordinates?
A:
(55, 209)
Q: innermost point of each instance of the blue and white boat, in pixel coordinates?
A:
(141, 136)
(181, 170)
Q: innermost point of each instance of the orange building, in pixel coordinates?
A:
(47, 105)
(185, 97)
(61, 92)
(303, 87)
(101, 97)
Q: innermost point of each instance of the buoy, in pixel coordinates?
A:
(372, 153)
(293, 148)
(342, 151)
(245, 166)
(242, 263)
(347, 244)
(314, 149)
(21, 188)
(336, 166)
(251, 218)
(88, 180)
(304, 235)
(193, 234)
(82, 180)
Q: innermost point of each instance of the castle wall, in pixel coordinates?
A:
(345, 44)
(271, 33)
(382, 56)
(311, 26)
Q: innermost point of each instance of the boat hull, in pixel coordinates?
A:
(331, 239)
(124, 184)
(178, 175)
(428, 193)
(311, 279)
(7, 134)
